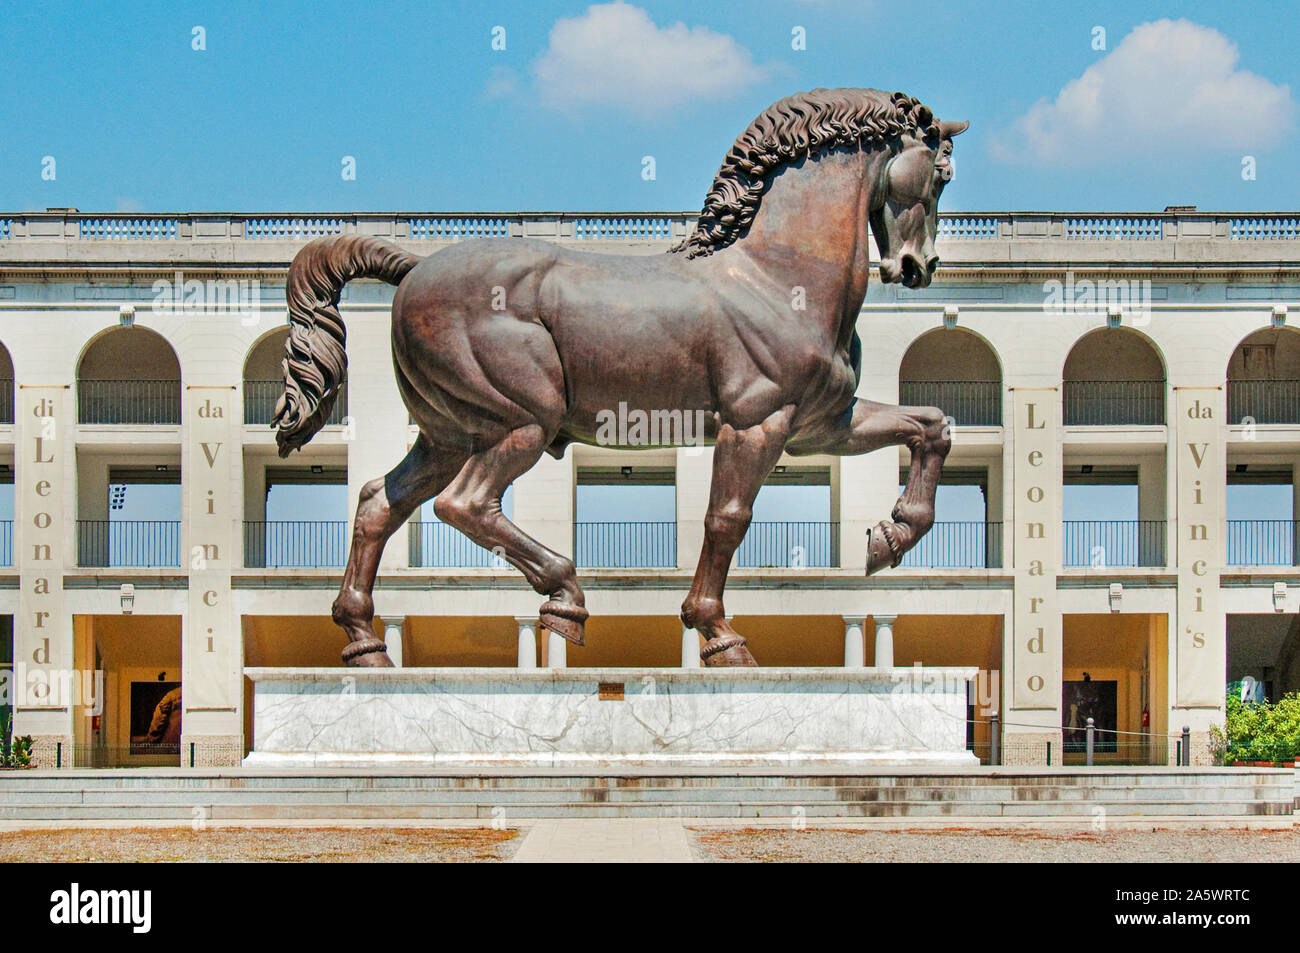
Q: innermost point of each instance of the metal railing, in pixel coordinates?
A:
(6, 542)
(1108, 543)
(6, 401)
(260, 398)
(957, 545)
(129, 402)
(1261, 543)
(1264, 402)
(968, 403)
(142, 543)
(435, 545)
(295, 544)
(637, 545)
(1114, 403)
(790, 545)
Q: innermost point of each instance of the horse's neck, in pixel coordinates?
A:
(811, 231)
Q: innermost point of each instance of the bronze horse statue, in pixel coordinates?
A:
(506, 349)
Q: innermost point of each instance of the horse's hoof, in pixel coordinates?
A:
(368, 653)
(565, 620)
(880, 549)
(727, 651)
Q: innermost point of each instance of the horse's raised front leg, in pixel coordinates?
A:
(472, 504)
(385, 504)
(925, 432)
(742, 459)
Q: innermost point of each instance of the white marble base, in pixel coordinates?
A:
(322, 717)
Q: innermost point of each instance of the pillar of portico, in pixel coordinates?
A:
(854, 642)
(393, 638)
(690, 648)
(884, 640)
(43, 513)
(557, 650)
(211, 640)
(527, 657)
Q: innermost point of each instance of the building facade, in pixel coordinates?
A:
(1116, 537)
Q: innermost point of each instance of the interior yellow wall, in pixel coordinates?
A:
(1111, 647)
(640, 641)
(132, 648)
(793, 641)
(449, 641)
(293, 641)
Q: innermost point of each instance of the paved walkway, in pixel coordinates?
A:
(613, 840)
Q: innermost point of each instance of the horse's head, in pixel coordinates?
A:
(905, 206)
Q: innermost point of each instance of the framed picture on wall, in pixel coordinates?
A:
(155, 718)
(1090, 699)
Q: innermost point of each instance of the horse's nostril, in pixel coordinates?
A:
(932, 264)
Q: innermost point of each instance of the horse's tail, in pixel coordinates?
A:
(315, 362)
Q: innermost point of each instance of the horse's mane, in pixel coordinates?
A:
(802, 125)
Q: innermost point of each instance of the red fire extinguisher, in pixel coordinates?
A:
(1146, 718)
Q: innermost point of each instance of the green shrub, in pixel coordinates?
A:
(1269, 731)
(14, 752)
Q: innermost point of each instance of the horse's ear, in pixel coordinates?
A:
(949, 129)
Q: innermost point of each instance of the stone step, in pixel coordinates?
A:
(769, 809)
(830, 794)
(67, 782)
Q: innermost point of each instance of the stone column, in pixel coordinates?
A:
(375, 426)
(393, 638)
(557, 650)
(43, 513)
(690, 648)
(211, 640)
(854, 643)
(1197, 644)
(1032, 712)
(884, 640)
(527, 641)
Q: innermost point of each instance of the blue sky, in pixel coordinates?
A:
(436, 119)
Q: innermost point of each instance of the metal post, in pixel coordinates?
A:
(995, 739)
(1049, 754)
(1185, 747)
(1092, 733)
(191, 754)
(58, 754)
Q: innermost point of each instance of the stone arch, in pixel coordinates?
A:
(129, 375)
(957, 371)
(1114, 377)
(1263, 377)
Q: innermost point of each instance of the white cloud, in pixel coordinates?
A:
(615, 55)
(1170, 85)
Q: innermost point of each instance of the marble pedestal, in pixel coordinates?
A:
(336, 717)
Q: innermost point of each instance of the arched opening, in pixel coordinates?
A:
(6, 386)
(264, 381)
(1113, 377)
(1264, 378)
(958, 372)
(129, 376)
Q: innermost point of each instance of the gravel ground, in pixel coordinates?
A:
(957, 845)
(172, 845)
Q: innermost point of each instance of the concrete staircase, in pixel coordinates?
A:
(234, 795)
